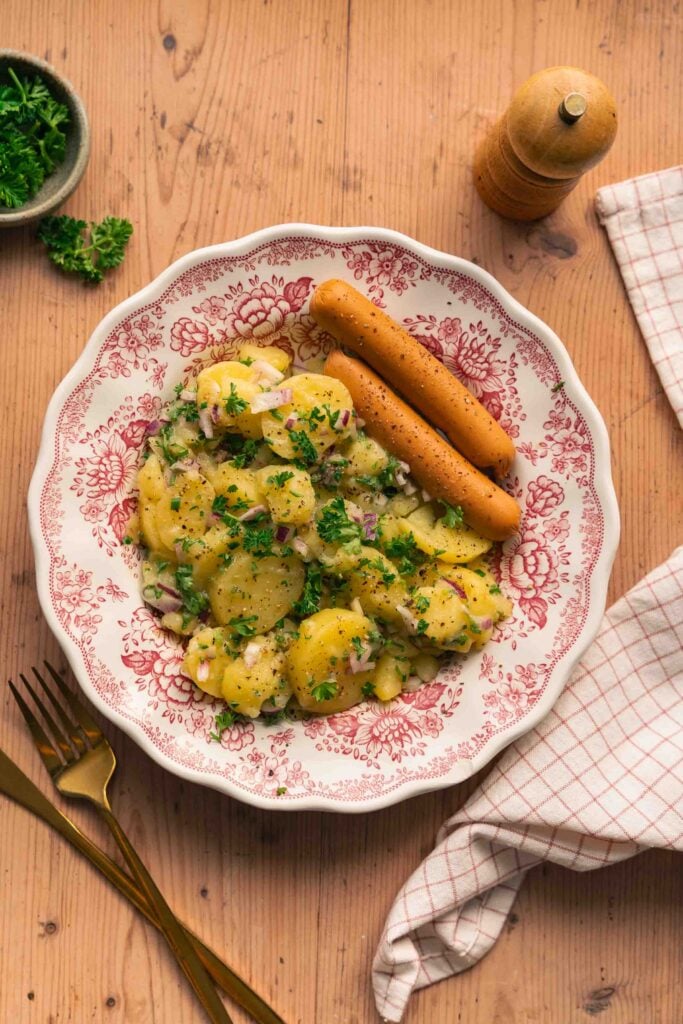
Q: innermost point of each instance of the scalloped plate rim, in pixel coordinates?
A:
(603, 484)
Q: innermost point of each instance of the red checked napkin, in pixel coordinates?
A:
(643, 218)
(601, 778)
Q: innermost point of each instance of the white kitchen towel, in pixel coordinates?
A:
(601, 778)
(643, 218)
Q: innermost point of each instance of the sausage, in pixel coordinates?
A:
(440, 469)
(356, 322)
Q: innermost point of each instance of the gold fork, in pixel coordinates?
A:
(81, 764)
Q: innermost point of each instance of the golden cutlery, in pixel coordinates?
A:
(18, 787)
(81, 763)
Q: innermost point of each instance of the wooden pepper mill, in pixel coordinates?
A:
(560, 122)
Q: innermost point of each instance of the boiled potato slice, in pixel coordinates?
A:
(206, 659)
(403, 504)
(365, 457)
(315, 398)
(239, 487)
(261, 590)
(268, 353)
(375, 581)
(485, 602)
(288, 492)
(151, 481)
(317, 662)
(390, 674)
(440, 614)
(227, 389)
(452, 543)
(181, 512)
(208, 554)
(248, 684)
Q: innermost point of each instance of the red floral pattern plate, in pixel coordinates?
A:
(257, 288)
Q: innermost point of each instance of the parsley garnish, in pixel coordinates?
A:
(304, 446)
(406, 550)
(422, 603)
(234, 405)
(242, 451)
(332, 414)
(241, 625)
(280, 479)
(309, 602)
(281, 790)
(67, 248)
(368, 689)
(32, 141)
(314, 417)
(194, 601)
(558, 386)
(258, 540)
(325, 690)
(334, 523)
(175, 504)
(495, 589)
(453, 516)
(422, 626)
(225, 720)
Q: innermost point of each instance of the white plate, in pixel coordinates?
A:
(257, 288)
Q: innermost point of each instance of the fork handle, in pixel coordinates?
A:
(173, 932)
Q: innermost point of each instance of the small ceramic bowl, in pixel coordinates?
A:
(59, 185)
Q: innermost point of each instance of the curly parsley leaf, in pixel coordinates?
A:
(326, 690)
(453, 515)
(194, 601)
(234, 405)
(309, 602)
(335, 525)
(68, 249)
(304, 447)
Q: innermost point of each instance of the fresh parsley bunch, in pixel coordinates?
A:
(68, 247)
(32, 137)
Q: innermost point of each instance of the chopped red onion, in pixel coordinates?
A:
(291, 421)
(271, 400)
(186, 465)
(252, 653)
(409, 488)
(215, 413)
(203, 671)
(342, 420)
(361, 662)
(168, 601)
(453, 586)
(412, 684)
(404, 466)
(267, 370)
(188, 396)
(360, 423)
(252, 513)
(356, 607)
(484, 622)
(283, 533)
(169, 590)
(426, 496)
(381, 499)
(205, 422)
(302, 549)
(370, 525)
(408, 618)
(152, 427)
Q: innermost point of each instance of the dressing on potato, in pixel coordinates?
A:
(296, 557)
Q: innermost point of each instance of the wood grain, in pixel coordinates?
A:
(211, 119)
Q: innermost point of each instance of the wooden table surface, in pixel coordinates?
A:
(211, 119)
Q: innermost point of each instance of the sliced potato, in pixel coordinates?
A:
(239, 487)
(365, 457)
(247, 684)
(453, 544)
(288, 492)
(268, 354)
(375, 581)
(315, 398)
(227, 390)
(206, 659)
(261, 590)
(318, 662)
(440, 614)
(181, 512)
(389, 676)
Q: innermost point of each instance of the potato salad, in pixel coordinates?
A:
(297, 558)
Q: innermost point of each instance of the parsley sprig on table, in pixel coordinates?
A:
(68, 247)
(32, 137)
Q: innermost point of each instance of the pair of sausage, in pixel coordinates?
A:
(354, 321)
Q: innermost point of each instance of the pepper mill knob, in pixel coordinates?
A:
(560, 123)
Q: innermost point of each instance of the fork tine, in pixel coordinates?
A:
(62, 742)
(51, 759)
(72, 730)
(83, 717)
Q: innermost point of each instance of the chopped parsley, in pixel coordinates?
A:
(406, 551)
(495, 589)
(234, 405)
(325, 690)
(453, 516)
(368, 689)
(314, 417)
(225, 720)
(280, 479)
(422, 603)
(332, 414)
(281, 790)
(242, 625)
(194, 601)
(309, 602)
(175, 504)
(422, 626)
(304, 447)
(557, 387)
(258, 540)
(242, 451)
(334, 523)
